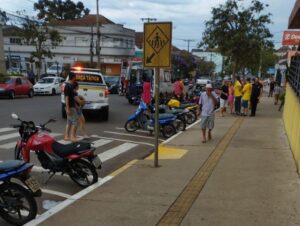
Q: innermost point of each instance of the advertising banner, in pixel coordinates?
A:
(291, 38)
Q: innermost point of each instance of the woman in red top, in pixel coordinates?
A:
(146, 96)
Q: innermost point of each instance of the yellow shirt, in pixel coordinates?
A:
(237, 89)
(247, 91)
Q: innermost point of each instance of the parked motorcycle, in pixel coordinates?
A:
(141, 120)
(76, 159)
(17, 203)
(192, 107)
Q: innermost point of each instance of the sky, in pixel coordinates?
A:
(187, 16)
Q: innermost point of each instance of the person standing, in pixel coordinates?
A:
(246, 96)
(224, 97)
(272, 86)
(72, 116)
(255, 95)
(178, 89)
(237, 95)
(146, 95)
(207, 103)
(277, 91)
(230, 96)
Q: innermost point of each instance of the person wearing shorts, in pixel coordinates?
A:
(72, 117)
(224, 97)
(246, 96)
(207, 102)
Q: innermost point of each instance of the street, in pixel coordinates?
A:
(108, 137)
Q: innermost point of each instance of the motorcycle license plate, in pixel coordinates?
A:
(96, 162)
(32, 184)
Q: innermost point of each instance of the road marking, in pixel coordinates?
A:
(9, 136)
(57, 193)
(123, 140)
(111, 153)
(165, 152)
(131, 135)
(139, 131)
(180, 207)
(67, 202)
(100, 142)
(13, 144)
(6, 129)
(123, 168)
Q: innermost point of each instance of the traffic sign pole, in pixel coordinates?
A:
(156, 116)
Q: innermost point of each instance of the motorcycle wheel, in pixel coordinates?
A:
(18, 155)
(168, 130)
(180, 124)
(190, 117)
(17, 204)
(83, 173)
(131, 126)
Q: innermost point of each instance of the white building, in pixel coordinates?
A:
(116, 42)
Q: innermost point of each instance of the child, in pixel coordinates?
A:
(277, 91)
(80, 101)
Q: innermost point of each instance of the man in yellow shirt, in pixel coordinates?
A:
(237, 95)
(246, 96)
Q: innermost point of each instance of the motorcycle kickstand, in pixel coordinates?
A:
(49, 178)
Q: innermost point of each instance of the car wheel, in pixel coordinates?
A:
(11, 94)
(53, 92)
(105, 114)
(30, 94)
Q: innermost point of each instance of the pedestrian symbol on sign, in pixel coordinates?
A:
(157, 40)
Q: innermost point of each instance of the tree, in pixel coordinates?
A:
(41, 37)
(206, 67)
(60, 10)
(3, 17)
(239, 33)
(183, 63)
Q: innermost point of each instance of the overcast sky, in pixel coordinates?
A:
(188, 16)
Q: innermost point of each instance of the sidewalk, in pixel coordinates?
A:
(245, 176)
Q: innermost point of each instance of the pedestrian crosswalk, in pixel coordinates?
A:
(106, 148)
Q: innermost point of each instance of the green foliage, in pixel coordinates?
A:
(183, 63)
(239, 33)
(41, 37)
(60, 10)
(205, 67)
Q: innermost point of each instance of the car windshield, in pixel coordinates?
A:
(111, 79)
(46, 80)
(6, 80)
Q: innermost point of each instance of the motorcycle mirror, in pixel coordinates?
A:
(14, 116)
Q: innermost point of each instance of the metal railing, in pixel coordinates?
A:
(294, 74)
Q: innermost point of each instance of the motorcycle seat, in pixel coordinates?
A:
(9, 165)
(64, 150)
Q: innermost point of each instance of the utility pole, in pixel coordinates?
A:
(188, 41)
(92, 47)
(2, 62)
(149, 19)
(98, 48)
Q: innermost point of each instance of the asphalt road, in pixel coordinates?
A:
(116, 140)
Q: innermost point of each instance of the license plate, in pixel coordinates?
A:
(96, 162)
(33, 184)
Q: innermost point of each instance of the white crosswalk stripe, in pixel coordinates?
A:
(6, 129)
(116, 146)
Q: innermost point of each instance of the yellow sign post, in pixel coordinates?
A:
(157, 44)
(157, 53)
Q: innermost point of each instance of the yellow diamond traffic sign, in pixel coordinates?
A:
(157, 44)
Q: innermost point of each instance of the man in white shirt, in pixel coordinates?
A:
(207, 102)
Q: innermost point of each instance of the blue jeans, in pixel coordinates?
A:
(237, 104)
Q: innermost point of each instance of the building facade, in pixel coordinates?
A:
(79, 45)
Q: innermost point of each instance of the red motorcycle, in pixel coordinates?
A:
(78, 159)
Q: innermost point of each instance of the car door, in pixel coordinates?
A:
(57, 84)
(18, 86)
(25, 86)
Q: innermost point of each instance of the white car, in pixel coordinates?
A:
(54, 69)
(48, 85)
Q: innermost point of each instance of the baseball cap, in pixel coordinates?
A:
(208, 86)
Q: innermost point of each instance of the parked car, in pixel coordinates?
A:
(54, 69)
(48, 85)
(113, 83)
(12, 86)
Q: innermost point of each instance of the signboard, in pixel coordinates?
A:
(291, 38)
(88, 78)
(157, 44)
